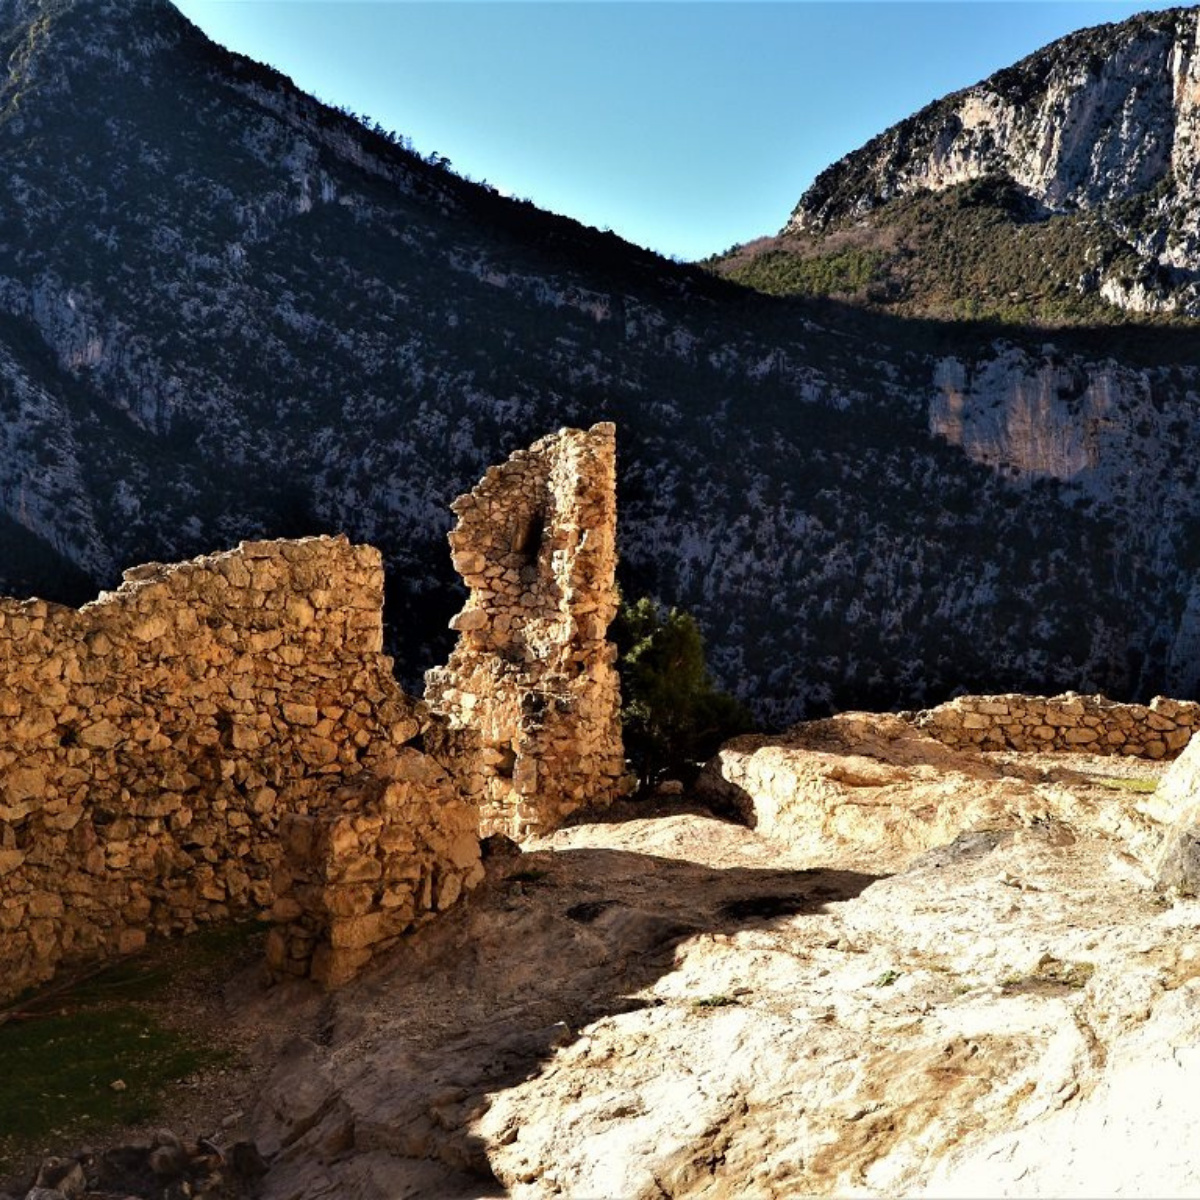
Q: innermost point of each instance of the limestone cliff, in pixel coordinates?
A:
(1090, 124)
(1090, 119)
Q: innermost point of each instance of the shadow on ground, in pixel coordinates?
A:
(480, 1001)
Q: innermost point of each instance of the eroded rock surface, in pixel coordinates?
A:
(877, 785)
(670, 1004)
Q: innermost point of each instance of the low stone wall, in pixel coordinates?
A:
(151, 741)
(533, 671)
(1067, 722)
(378, 857)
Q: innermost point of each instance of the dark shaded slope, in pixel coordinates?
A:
(226, 311)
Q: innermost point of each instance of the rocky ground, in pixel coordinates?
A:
(663, 1002)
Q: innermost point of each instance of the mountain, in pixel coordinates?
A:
(228, 310)
(1059, 188)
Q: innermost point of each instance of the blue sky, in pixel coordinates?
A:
(684, 125)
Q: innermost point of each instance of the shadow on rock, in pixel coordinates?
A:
(482, 1000)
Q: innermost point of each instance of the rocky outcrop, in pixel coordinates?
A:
(880, 788)
(1177, 864)
(1095, 117)
(533, 671)
(152, 742)
(856, 778)
(1001, 1006)
(1105, 121)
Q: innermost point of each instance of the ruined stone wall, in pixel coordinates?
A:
(533, 671)
(1067, 722)
(152, 742)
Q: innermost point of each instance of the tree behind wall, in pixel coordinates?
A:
(673, 718)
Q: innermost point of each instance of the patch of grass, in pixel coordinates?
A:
(1051, 974)
(1121, 784)
(59, 1071)
(63, 1048)
(718, 1001)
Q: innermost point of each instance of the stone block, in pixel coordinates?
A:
(355, 933)
(101, 735)
(10, 860)
(334, 966)
(300, 714)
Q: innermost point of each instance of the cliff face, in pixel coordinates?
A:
(1088, 120)
(1089, 123)
(227, 312)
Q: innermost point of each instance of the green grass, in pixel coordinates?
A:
(715, 1002)
(1051, 973)
(1121, 784)
(58, 1071)
(63, 1048)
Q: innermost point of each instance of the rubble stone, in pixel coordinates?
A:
(224, 736)
(207, 704)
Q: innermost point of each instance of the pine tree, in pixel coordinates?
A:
(673, 718)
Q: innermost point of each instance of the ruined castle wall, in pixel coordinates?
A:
(533, 671)
(1067, 722)
(153, 742)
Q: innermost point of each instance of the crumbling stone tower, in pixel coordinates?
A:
(533, 672)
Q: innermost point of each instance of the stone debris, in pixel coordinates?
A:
(162, 1167)
(533, 671)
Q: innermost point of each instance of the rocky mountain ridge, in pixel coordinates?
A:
(1087, 150)
(228, 311)
(1093, 118)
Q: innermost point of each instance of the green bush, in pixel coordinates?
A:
(673, 718)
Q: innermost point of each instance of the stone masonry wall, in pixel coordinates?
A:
(533, 671)
(153, 743)
(1067, 722)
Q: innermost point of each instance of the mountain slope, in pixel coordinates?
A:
(1083, 159)
(228, 311)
